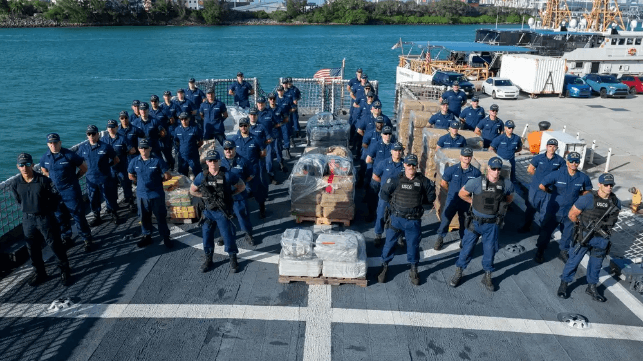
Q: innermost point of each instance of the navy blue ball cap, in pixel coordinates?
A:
(377, 104)
(455, 124)
(387, 130)
(244, 120)
(167, 93)
(181, 90)
(261, 99)
(144, 106)
(192, 80)
(239, 74)
(228, 144)
(606, 179)
(475, 99)
(411, 159)
(136, 103)
(552, 141)
(289, 80)
(53, 138)
(210, 91)
(92, 129)
(280, 88)
(154, 98)
(359, 70)
(143, 143)
(212, 155)
(112, 123)
(379, 119)
(397, 146)
(184, 115)
(285, 80)
(368, 85)
(123, 113)
(510, 124)
(444, 102)
(254, 111)
(364, 76)
(495, 162)
(455, 82)
(24, 158)
(370, 94)
(494, 107)
(272, 96)
(573, 157)
(466, 152)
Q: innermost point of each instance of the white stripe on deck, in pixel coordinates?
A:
(319, 313)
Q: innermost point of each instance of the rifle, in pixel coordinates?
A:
(212, 201)
(592, 227)
(502, 211)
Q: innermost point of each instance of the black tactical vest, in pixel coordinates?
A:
(217, 186)
(600, 207)
(407, 197)
(488, 201)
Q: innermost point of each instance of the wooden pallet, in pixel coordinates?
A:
(323, 220)
(182, 220)
(321, 280)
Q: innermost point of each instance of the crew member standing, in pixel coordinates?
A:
(148, 172)
(507, 145)
(188, 137)
(217, 186)
(295, 96)
(166, 143)
(453, 179)
(490, 127)
(241, 90)
(238, 165)
(132, 134)
(122, 148)
(472, 115)
(453, 139)
(279, 120)
(214, 113)
(285, 106)
(586, 211)
(442, 119)
(384, 170)
(456, 98)
(489, 197)
(37, 198)
(152, 128)
(194, 94)
(351, 83)
(405, 195)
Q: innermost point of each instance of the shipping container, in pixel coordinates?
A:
(534, 74)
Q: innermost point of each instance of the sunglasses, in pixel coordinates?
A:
(243, 125)
(212, 161)
(24, 165)
(575, 161)
(228, 149)
(411, 165)
(609, 185)
(495, 169)
(91, 133)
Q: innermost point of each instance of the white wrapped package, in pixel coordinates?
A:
(351, 269)
(304, 267)
(231, 123)
(336, 247)
(297, 243)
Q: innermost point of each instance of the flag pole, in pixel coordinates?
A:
(341, 83)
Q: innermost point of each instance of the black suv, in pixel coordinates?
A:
(447, 78)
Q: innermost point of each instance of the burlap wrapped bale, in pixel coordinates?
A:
(445, 157)
(420, 119)
(426, 154)
(404, 112)
(482, 158)
(306, 210)
(430, 106)
(339, 184)
(339, 212)
(474, 141)
(336, 199)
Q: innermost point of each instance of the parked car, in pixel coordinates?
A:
(635, 83)
(447, 78)
(606, 85)
(500, 88)
(576, 87)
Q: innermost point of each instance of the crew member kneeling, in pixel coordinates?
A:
(405, 195)
(489, 197)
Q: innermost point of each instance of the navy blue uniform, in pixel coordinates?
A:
(490, 130)
(456, 177)
(471, 117)
(151, 127)
(166, 144)
(537, 199)
(121, 146)
(196, 96)
(385, 170)
(278, 118)
(150, 195)
(441, 121)
(213, 127)
(294, 94)
(447, 141)
(241, 93)
(243, 170)
(188, 141)
(172, 110)
(456, 101)
(368, 122)
(250, 149)
(99, 178)
(285, 105)
(506, 148)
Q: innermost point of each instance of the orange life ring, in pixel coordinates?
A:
(632, 51)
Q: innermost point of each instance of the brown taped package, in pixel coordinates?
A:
(482, 160)
(339, 212)
(419, 119)
(306, 210)
(430, 106)
(426, 154)
(336, 199)
(406, 106)
(341, 184)
(474, 141)
(440, 202)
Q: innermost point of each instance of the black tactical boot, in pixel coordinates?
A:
(525, 228)
(89, 245)
(540, 256)
(455, 280)
(234, 265)
(273, 181)
(593, 292)
(65, 274)
(96, 220)
(145, 241)
(564, 256)
(438, 243)
(413, 275)
(168, 242)
(283, 167)
(114, 217)
(378, 240)
(207, 262)
(287, 155)
(132, 205)
(381, 277)
(248, 238)
(401, 241)
(68, 242)
(486, 281)
(562, 290)
(39, 276)
(219, 241)
(262, 210)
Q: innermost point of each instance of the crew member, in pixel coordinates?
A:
(489, 197)
(453, 139)
(454, 178)
(214, 113)
(456, 98)
(565, 186)
(100, 157)
(194, 94)
(152, 128)
(279, 119)
(241, 90)
(37, 197)
(60, 165)
(285, 107)
(217, 186)
(405, 195)
(539, 167)
(367, 123)
(171, 109)
(266, 118)
(585, 212)
(295, 95)
(472, 115)
(375, 154)
(122, 148)
(490, 127)
(132, 134)
(356, 91)
(371, 137)
(148, 172)
(185, 104)
(238, 165)
(384, 170)
(507, 145)
(188, 137)
(442, 119)
(166, 143)
(351, 83)
(135, 111)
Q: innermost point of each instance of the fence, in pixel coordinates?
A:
(417, 91)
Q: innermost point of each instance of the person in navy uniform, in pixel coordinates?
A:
(442, 119)
(241, 90)
(238, 165)
(122, 148)
(214, 113)
(371, 137)
(37, 197)
(367, 122)
(279, 120)
(153, 130)
(295, 95)
(194, 94)
(405, 195)
(453, 139)
(189, 139)
(472, 115)
(453, 179)
(507, 145)
(60, 164)
(376, 153)
(285, 107)
(587, 209)
(132, 134)
(565, 186)
(135, 111)
(490, 127)
(265, 138)
(351, 83)
(161, 116)
(488, 195)
(456, 98)
(265, 117)
(221, 185)
(148, 172)
(170, 108)
(391, 167)
(355, 93)
(539, 167)
(184, 103)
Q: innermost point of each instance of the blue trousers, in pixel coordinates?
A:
(259, 187)
(47, 226)
(550, 224)
(72, 206)
(489, 233)
(214, 219)
(166, 149)
(454, 206)
(536, 202)
(240, 207)
(120, 173)
(187, 162)
(512, 174)
(597, 254)
(379, 218)
(411, 230)
(156, 206)
(294, 120)
(285, 135)
(107, 189)
(276, 147)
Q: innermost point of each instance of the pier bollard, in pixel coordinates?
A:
(578, 135)
(591, 153)
(609, 156)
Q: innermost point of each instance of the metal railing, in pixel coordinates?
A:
(417, 91)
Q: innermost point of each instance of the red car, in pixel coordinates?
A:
(635, 83)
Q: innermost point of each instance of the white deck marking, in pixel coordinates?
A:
(319, 315)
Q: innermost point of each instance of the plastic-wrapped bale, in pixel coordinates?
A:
(446, 157)
(231, 123)
(418, 120)
(297, 243)
(431, 106)
(306, 185)
(474, 141)
(337, 199)
(341, 247)
(332, 150)
(482, 159)
(323, 129)
(426, 155)
(302, 267)
(348, 269)
(404, 113)
(178, 199)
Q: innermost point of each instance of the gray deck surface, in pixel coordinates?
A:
(155, 304)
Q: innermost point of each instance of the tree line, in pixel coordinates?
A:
(215, 12)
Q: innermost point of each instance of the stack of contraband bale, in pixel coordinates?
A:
(324, 130)
(404, 110)
(322, 186)
(297, 257)
(178, 199)
(418, 120)
(430, 137)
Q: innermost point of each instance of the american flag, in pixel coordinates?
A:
(328, 74)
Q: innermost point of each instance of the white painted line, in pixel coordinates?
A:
(318, 340)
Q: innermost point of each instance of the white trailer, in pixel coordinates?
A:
(534, 74)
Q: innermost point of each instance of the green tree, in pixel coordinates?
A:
(295, 7)
(213, 12)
